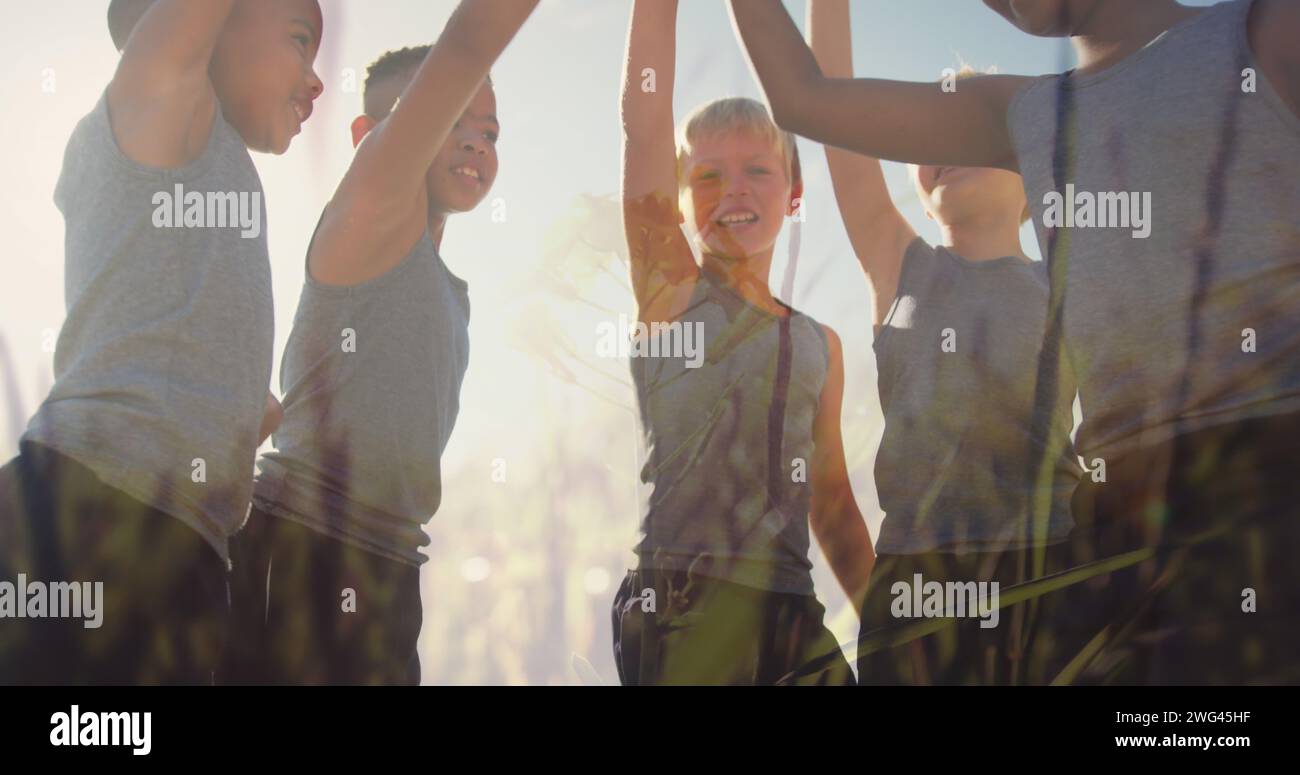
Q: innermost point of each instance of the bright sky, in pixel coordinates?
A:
(557, 89)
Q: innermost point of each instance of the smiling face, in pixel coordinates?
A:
(1045, 18)
(466, 167)
(954, 195)
(736, 191)
(262, 70)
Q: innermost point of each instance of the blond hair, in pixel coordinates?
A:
(968, 71)
(735, 114)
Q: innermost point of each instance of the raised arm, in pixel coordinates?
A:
(895, 120)
(161, 100)
(380, 207)
(877, 231)
(834, 516)
(392, 162)
(662, 267)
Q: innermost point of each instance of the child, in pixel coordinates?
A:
(134, 470)
(1174, 142)
(964, 409)
(123, 16)
(327, 584)
(745, 450)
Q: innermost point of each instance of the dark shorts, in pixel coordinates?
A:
(1213, 520)
(312, 610)
(709, 631)
(1220, 510)
(165, 604)
(962, 651)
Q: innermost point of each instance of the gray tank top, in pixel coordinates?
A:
(956, 362)
(727, 445)
(1198, 324)
(164, 360)
(371, 379)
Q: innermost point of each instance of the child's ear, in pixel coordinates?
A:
(361, 126)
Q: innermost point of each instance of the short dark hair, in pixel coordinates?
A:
(390, 64)
(123, 15)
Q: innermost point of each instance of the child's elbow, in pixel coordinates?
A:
(789, 113)
(783, 113)
(833, 505)
(825, 518)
